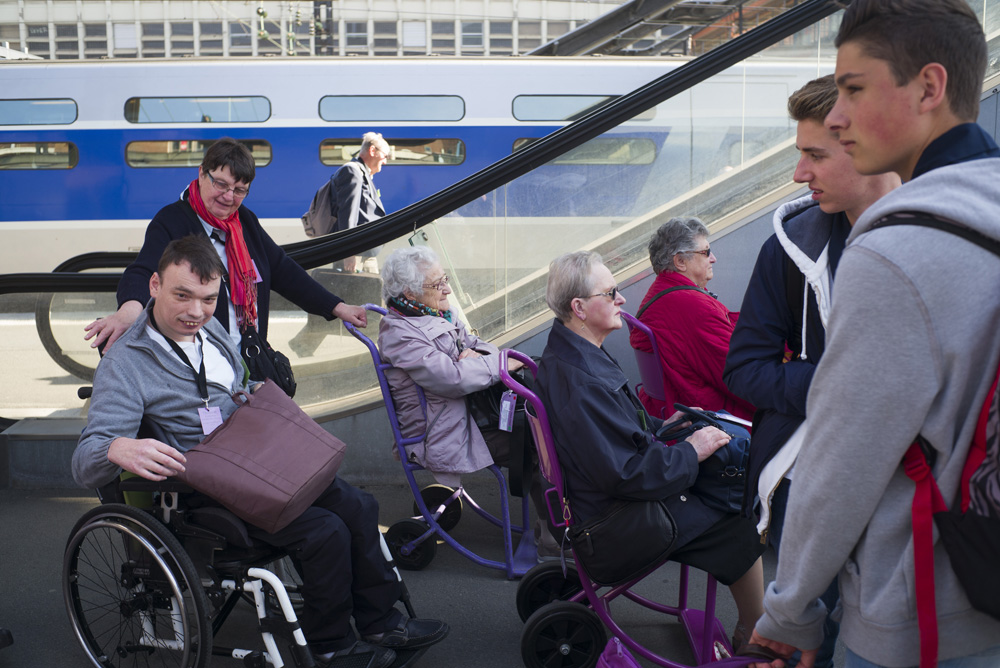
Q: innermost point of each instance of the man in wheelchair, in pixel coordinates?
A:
(335, 544)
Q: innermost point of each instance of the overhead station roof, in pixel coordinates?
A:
(687, 27)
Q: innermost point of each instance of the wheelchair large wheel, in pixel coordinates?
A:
(562, 635)
(434, 496)
(544, 584)
(133, 595)
(403, 532)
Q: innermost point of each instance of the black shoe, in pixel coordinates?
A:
(358, 655)
(410, 634)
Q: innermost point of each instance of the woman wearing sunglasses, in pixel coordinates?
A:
(691, 325)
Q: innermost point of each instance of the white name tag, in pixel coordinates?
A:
(507, 403)
(211, 419)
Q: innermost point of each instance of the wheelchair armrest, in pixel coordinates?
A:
(143, 485)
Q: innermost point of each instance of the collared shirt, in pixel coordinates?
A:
(962, 143)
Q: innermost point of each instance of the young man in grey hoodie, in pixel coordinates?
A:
(911, 348)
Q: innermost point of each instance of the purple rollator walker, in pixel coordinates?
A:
(564, 617)
(437, 508)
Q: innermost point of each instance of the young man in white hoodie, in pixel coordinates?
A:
(787, 305)
(912, 345)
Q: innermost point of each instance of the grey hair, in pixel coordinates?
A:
(375, 139)
(405, 271)
(569, 278)
(677, 235)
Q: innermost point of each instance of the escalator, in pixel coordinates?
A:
(710, 139)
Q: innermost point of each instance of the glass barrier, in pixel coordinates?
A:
(708, 152)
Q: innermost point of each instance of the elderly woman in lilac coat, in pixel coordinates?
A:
(429, 346)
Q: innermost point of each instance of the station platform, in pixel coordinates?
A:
(478, 603)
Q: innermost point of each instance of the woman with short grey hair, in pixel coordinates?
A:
(676, 236)
(691, 326)
(429, 346)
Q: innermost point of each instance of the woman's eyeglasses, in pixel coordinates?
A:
(707, 252)
(440, 284)
(222, 188)
(613, 293)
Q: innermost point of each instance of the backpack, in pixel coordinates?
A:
(971, 532)
(321, 219)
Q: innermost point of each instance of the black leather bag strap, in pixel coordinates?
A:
(926, 220)
(668, 290)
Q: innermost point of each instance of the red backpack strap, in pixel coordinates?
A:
(926, 501)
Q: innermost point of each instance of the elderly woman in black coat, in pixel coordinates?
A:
(606, 443)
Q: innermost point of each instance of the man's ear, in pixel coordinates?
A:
(933, 78)
(154, 285)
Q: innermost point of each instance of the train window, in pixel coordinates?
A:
(248, 109)
(564, 107)
(604, 151)
(185, 153)
(38, 155)
(335, 152)
(373, 108)
(37, 112)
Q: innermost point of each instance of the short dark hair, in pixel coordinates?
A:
(197, 251)
(814, 101)
(909, 34)
(227, 152)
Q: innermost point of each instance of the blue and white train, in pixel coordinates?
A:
(89, 151)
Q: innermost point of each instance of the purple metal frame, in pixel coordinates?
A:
(651, 371)
(701, 626)
(517, 559)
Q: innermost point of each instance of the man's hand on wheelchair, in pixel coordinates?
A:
(146, 457)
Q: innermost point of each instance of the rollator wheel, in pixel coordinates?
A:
(544, 584)
(401, 533)
(133, 595)
(434, 496)
(562, 635)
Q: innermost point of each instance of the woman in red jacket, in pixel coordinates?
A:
(691, 326)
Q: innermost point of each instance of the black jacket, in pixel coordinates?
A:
(277, 271)
(605, 450)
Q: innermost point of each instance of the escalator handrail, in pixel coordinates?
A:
(316, 252)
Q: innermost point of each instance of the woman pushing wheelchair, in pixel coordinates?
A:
(606, 441)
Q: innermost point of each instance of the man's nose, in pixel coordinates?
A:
(802, 172)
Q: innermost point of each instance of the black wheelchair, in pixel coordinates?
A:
(151, 575)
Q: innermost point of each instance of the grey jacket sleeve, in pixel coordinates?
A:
(113, 414)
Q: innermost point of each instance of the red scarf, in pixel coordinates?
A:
(243, 277)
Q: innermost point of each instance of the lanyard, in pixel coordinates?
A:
(200, 377)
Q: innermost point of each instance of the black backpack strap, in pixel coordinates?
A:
(927, 220)
(663, 292)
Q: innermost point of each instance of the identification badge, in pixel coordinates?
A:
(211, 419)
(257, 278)
(507, 403)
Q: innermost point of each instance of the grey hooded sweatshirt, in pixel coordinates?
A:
(912, 348)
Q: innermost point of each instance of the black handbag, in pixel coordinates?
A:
(264, 362)
(484, 408)
(624, 541)
(722, 478)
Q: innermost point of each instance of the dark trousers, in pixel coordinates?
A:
(830, 598)
(336, 549)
